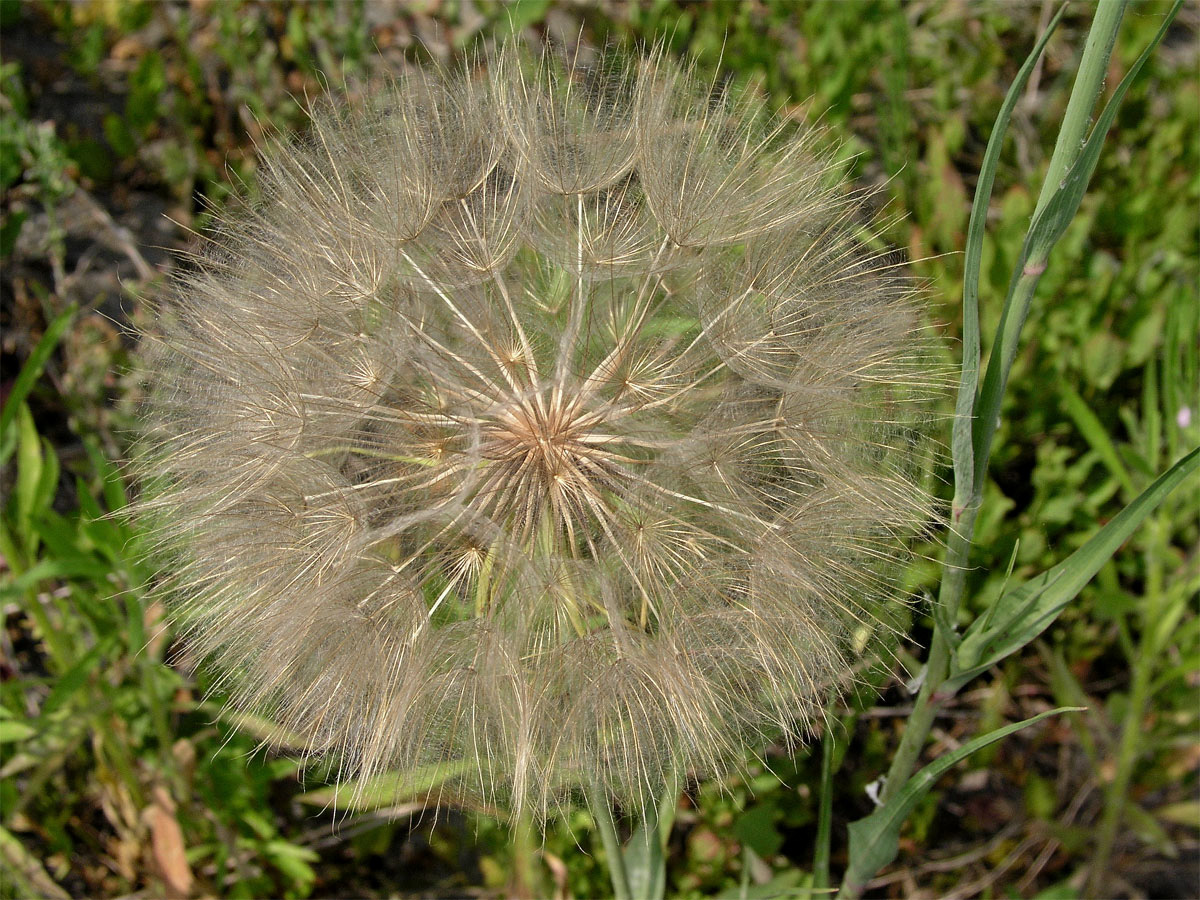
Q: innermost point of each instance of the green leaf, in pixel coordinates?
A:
(88, 507)
(1063, 891)
(115, 497)
(78, 567)
(1027, 611)
(645, 854)
(92, 157)
(519, 14)
(148, 87)
(1147, 828)
(1050, 224)
(118, 135)
(11, 230)
(964, 413)
(645, 864)
(788, 883)
(755, 828)
(1096, 435)
(1054, 212)
(29, 474)
(77, 675)
(11, 164)
(256, 726)
(1186, 813)
(293, 860)
(360, 794)
(47, 484)
(24, 872)
(32, 369)
(14, 731)
(875, 840)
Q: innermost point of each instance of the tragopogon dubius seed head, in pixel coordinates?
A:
(553, 425)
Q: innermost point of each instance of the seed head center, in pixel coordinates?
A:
(548, 457)
(544, 440)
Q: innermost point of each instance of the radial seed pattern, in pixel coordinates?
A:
(551, 424)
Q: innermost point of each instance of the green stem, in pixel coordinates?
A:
(602, 814)
(995, 380)
(1077, 120)
(1089, 82)
(824, 817)
(920, 721)
(526, 880)
(1128, 751)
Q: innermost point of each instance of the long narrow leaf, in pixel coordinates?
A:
(30, 463)
(1028, 610)
(384, 790)
(1049, 225)
(961, 445)
(76, 567)
(1094, 432)
(77, 675)
(875, 840)
(645, 858)
(28, 874)
(33, 368)
(1086, 90)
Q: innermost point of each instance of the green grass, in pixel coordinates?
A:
(117, 777)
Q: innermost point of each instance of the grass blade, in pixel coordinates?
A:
(361, 794)
(645, 858)
(875, 840)
(1028, 610)
(1050, 222)
(29, 374)
(1097, 436)
(965, 483)
(1055, 212)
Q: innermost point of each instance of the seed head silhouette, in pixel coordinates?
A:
(552, 425)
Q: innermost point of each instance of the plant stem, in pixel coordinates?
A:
(1128, 751)
(995, 380)
(525, 880)
(602, 814)
(820, 881)
(1089, 82)
(920, 721)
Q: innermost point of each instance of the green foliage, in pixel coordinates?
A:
(1021, 614)
(874, 841)
(99, 717)
(31, 156)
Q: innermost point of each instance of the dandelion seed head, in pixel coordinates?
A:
(552, 426)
